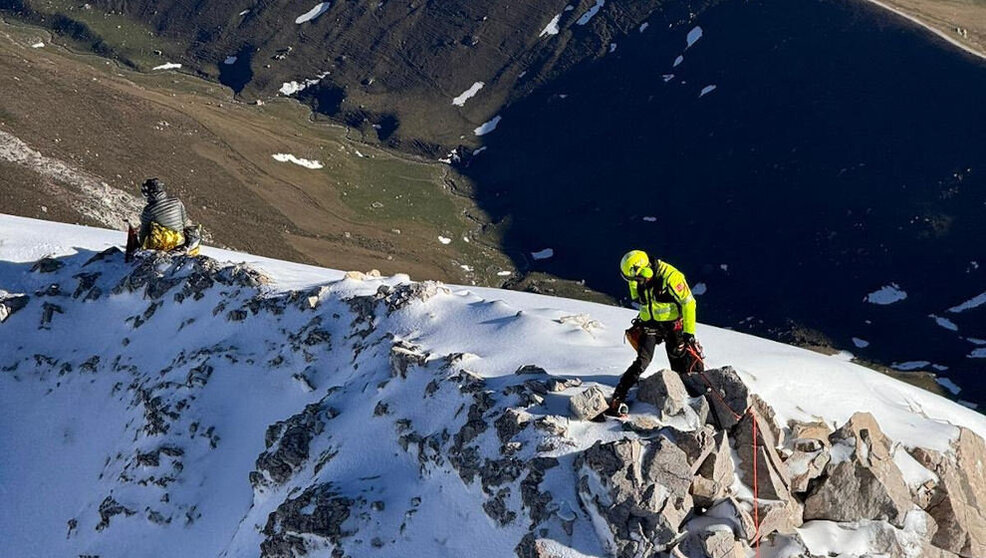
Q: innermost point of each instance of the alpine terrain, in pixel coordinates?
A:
(232, 405)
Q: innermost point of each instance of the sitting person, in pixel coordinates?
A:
(164, 224)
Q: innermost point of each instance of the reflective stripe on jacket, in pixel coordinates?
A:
(665, 297)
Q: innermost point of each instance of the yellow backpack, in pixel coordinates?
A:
(163, 238)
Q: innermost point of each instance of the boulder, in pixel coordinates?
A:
(805, 433)
(715, 474)
(958, 502)
(728, 396)
(640, 493)
(861, 480)
(806, 466)
(773, 478)
(714, 541)
(588, 404)
(665, 391)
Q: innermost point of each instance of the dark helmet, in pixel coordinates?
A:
(152, 187)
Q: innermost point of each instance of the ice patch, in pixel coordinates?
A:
(699, 289)
(466, 267)
(288, 158)
(543, 254)
(644, 26)
(38, 44)
(444, 240)
(478, 151)
(978, 300)
(650, 219)
(667, 77)
(861, 343)
(949, 385)
(488, 127)
(944, 322)
(977, 353)
(230, 60)
(975, 341)
(888, 294)
(693, 36)
(313, 13)
(504, 273)
(552, 27)
(244, 12)
(910, 365)
(612, 48)
(468, 94)
(678, 61)
(591, 13)
(168, 66)
(706, 90)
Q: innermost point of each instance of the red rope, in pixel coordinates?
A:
(756, 486)
(737, 416)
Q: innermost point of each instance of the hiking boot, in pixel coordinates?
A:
(617, 409)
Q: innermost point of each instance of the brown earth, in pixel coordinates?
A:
(367, 208)
(964, 21)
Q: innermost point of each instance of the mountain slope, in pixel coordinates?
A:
(183, 406)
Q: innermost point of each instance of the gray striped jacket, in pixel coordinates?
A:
(165, 211)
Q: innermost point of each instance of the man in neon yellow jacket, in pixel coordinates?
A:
(667, 314)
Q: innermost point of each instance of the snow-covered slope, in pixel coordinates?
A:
(244, 406)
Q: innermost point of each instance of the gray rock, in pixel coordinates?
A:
(805, 466)
(588, 404)
(530, 369)
(10, 303)
(728, 396)
(641, 492)
(716, 472)
(47, 265)
(288, 443)
(958, 502)
(712, 542)
(665, 391)
(862, 482)
(403, 355)
(319, 511)
(109, 508)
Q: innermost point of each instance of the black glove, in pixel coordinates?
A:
(689, 338)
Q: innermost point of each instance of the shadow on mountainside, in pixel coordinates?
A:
(830, 160)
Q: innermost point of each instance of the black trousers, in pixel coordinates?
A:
(681, 360)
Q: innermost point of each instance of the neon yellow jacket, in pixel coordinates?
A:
(665, 297)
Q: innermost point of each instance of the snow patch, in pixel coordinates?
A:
(488, 127)
(888, 294)
(699, 289)
(706, 90)
(38, 44)
(586, 17)
(949, 385)
(504, 273)
(644, 26)
(552, 27)
(944, 322)
(678, 61)
(468, 94)
(977, 353)
(612, 48)
(543, 254)
(974, 302)
(444, 240)
(910, 365)
(478, 151)
(168, 66)
(289, 88)
(230, 60)
(860, 343)
(693, 36)
(313, 13)
(650, 219)
(288, 158)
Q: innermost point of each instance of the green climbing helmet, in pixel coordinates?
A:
(636, 265)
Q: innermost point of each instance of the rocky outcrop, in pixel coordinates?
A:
(288, 444)
(10, 303)
(319, 512)
(640, 493)
(861, 479)
(958, 501)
